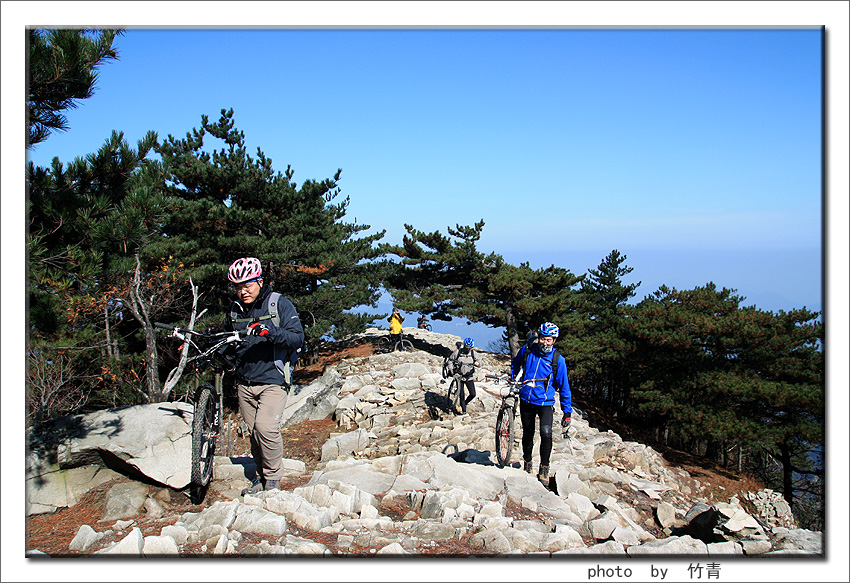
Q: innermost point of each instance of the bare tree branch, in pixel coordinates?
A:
(177, 372)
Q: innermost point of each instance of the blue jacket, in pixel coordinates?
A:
(259, 359)
(539, 366)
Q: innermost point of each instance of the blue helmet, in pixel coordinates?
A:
(548, 329)
(468, 342)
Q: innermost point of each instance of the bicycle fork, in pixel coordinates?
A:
(219, 407)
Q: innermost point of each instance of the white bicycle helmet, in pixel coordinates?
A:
(244, 270)
(548, 329)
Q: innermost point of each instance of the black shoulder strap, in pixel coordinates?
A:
(556, 356)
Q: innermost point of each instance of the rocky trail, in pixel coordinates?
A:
(377, 465)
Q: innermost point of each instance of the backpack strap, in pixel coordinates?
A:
(271, 307)
(556, 356)
(273, 300)
(284, 365)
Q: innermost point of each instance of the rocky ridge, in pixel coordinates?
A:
(404, 476)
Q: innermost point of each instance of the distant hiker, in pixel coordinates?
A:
(538, 399)
(395, 321)
(262, 365)
(464, 359)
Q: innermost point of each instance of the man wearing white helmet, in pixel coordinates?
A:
(537, 399)
(262, 365)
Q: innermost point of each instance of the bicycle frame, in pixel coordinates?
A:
(208, 399)
(505, 417)
(215, 341)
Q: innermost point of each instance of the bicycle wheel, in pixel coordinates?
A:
(404, 346)
(453, 395)
(383, 344)
(428, 327)
(504, 435)
(204, 434)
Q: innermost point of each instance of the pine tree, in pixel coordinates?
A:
(599, 348)
(447, 276)
(63, 67)
(227, 204)
(713, 373)
(87, 222)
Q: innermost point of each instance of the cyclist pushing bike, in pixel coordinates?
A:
(463, 362)
(537, 399)
(263, 365)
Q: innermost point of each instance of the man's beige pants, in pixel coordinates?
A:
(261, 407)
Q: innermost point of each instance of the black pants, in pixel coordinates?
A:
(528, 414)
(470, 388)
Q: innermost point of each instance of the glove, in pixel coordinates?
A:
(565, 423)
(257, 329)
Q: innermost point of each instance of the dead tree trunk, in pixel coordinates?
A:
(177, 372)
(140, 307)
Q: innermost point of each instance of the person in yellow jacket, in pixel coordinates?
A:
(395, 321)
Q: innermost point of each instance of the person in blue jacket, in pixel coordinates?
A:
(537, 398)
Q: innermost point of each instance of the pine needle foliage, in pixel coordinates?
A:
(226, 204)
(63, 69)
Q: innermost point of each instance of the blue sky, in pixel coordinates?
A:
(696, 153)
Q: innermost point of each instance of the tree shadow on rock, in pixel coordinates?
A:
(44, 441)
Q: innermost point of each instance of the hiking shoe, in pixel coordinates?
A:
(543, 475)
(255, 488)
(527, 467)
(272, 485)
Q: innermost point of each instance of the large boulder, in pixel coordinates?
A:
(152, 441)
(317, 400)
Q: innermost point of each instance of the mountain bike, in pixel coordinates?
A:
(506, 417)
(209, 350)
(403, 344)
(386, 344)
(381, 344)
(454, 393)
(423, 324)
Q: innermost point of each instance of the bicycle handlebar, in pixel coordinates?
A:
(511, 381)
(177, 330)
(212, 342)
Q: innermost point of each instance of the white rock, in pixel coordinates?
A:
(725, 548)
(85, 537)
(674, 545)
(582, 506)
(178, 533)
(392, 549)
(160, 545)
(130, 545)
